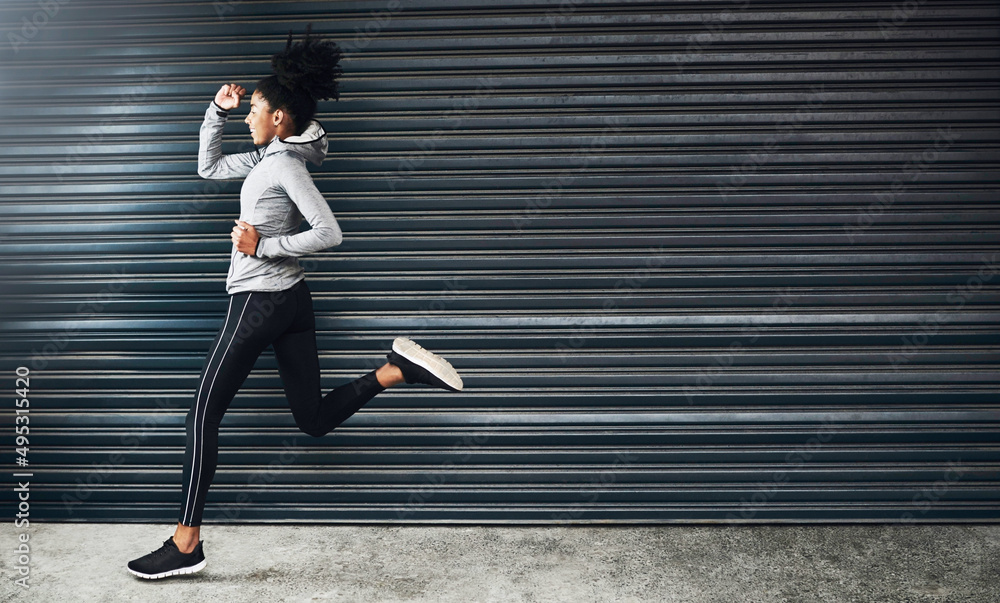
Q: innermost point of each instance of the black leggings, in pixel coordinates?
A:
(256, 319)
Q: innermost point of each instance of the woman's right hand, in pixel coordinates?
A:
(229, 96)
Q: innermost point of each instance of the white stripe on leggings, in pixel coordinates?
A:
(192, 486)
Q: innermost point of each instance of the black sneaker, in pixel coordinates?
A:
(420, 366)
(168, 561)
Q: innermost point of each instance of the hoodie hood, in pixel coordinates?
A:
(312, 144)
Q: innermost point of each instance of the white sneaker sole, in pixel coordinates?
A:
(176, 572)
(438, 366)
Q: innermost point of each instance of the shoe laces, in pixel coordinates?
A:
(163, 550)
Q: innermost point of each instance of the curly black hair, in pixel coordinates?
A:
(303, 73)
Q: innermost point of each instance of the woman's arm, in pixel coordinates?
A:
(212, 164)
(292, 176)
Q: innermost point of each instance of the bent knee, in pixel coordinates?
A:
(312, 431)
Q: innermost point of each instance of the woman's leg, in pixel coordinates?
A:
(298, 365)
(252, 322)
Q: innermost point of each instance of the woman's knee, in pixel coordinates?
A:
(312, 430)
(206, 413)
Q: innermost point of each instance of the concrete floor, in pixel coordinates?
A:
(725, 564)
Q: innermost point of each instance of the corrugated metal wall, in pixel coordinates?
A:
(696, 261)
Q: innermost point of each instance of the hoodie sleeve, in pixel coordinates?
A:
(293, 177)
(212, 164)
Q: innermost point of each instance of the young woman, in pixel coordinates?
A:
(269, 301)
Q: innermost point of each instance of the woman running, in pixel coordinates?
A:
(269, 301)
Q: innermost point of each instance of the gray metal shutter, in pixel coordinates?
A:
(696, 261)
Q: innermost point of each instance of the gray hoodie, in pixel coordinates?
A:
(277, 193)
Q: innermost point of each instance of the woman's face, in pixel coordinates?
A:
(261, 120)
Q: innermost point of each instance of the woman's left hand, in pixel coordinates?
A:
(245, 237)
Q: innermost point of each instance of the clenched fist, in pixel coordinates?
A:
(245, 237)
(229, 96)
